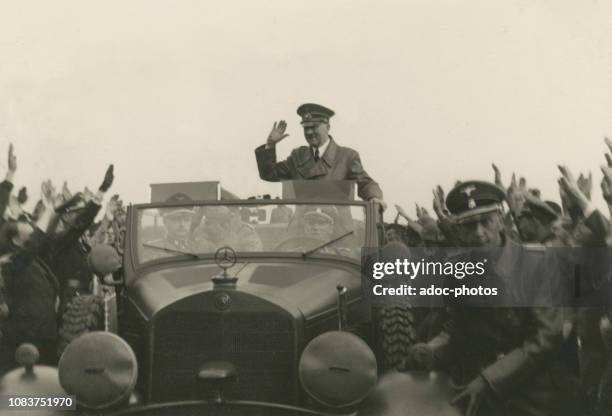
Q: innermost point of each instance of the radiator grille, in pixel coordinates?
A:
(259, 344)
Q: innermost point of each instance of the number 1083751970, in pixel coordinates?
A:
(37, 402)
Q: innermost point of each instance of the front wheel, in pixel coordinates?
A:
(396, 328)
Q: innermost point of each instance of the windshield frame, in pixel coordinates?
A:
(131, 253)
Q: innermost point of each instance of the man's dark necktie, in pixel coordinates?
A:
(316, 154)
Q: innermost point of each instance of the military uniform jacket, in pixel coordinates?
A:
(69, 254)
(515, 349)
(5, 192)
(34, 290)
(337, 163)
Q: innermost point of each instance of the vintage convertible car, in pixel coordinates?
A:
(256, 305)
(185, 304)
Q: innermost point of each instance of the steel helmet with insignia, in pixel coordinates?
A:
(471, 198)
(313, 114)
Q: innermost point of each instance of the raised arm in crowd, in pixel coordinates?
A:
(573, 344)
(44, 260)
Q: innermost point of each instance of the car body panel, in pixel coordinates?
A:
(304, 285)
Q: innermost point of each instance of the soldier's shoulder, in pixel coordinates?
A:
(245, 228)
(348, 151)
(534, 247)
(513, 244)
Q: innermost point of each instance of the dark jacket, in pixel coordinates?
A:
(69, 253)
(517, 350)
(5, 192)
(337, 163)
(34, 291)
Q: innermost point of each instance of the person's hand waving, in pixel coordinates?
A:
(439, 206)
(572, 190)
(12, 164)
(585, 183)
(277, 134)
(12, 159)
(109, 177)
(606, 182)
(515, 194)
(402, 213)
(498, 178)
(47, 191)
(112, 206)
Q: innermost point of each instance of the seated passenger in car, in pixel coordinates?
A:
(314, 226)
(178, 237)
(224, 227)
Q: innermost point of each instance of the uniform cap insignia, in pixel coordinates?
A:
(468, 192)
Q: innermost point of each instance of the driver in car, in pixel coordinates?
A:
(178, 223)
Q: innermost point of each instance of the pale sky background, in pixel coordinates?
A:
(427, 91)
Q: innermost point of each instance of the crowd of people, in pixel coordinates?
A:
(552, 355)
(524, 361)
(50, 258)
(502, 354)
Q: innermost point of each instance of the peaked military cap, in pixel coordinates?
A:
(178, 198)
(328, 212)
(539, 208)
(471, 198)
(555, 207)
(314, 113)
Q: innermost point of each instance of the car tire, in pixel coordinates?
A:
(81, 315)
(396, 329)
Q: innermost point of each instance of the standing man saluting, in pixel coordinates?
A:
(321, 159)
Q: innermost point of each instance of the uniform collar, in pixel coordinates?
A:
(322, 149)
(321, 168)
(328, 151)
